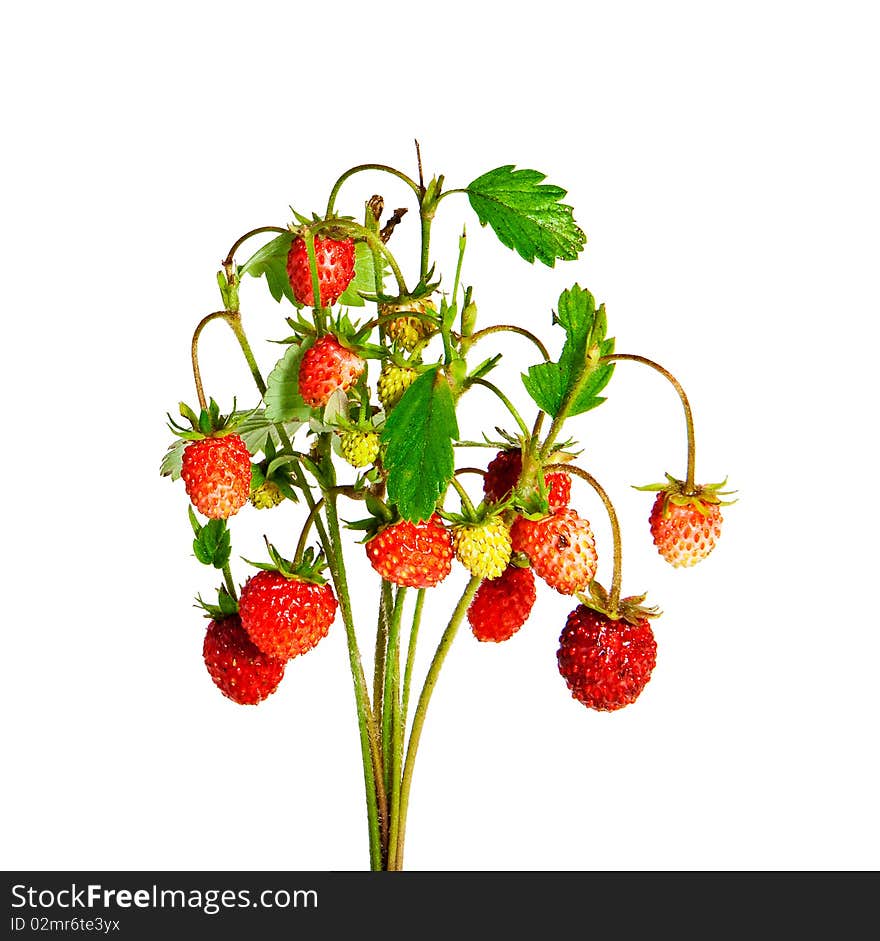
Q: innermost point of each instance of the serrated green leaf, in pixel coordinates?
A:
(419, 455)
(260, 434)
(364, 277)
(213, 544)
(549, 384)
(270, 262)
(172, 461)
(526, 214)
(282, 398)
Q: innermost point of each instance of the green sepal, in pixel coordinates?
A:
(308, 569)
(213, 542)
(526, 214)
(226, 606)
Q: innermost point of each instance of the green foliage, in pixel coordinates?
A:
(418, 436)
(282, 398)
(364, 277)
(527, 215)
(213, 543)
(173, 459)
(270, 262)
(550, 384)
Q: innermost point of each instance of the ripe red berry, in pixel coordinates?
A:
(239, 669)
(325, 367)
(334, 262)
(283, 616)
(502, 475)
(217, 475)
(684, 535)
(605, 663)
(502, 605)
(417, 555)
(560, 547)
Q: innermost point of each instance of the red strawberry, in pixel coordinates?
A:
(606, 663)
(217, 474)
(418, 555)
(325, 367)
(502, 475)
(285, 615)
(502, 605)
(238, 668)
(335, 263)
(560, 547)
(684, 535)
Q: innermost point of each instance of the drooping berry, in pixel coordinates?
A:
(216, 472)
(359, 448)
(561, 548)
(408, 330)
(503, 473)
(502, 605)
(325, 367)
(605, 663)
(417, 555)
(483, 548)
(335, 266)
(285, 616)
(393, 382)
(684, 534)
(239, 669)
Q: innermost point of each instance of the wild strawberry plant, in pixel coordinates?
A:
(362, 407)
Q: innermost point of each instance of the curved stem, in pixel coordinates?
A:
(227, 262)
(470, 470)
(466, 504)
(422, 708)
(614, 595)
(331, 203)
(688, 415)
(510, 407)
(194, 351)
(509, 328)
(304, 535)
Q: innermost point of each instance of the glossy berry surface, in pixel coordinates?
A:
(502, 605)
(239, 669)
(334, 261)
(216, 473)
(417, 555)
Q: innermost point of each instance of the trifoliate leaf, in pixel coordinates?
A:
(527, 215)
(549, 384)
(213, 544)
(418, 435)
(271, 261)
(173, 459)
(364, 276)
(282, 398)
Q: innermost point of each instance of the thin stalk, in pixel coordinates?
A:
(331, 203)
(320, 319)
(411, 655)
(688, 415)
(304, 535)
(567, 402)
(227, 262)
(366, 724)
(509, 405)
(614, 595)
(230, 584)
(466, 504)
(194, 351)
(386, 603)
(391, 693)
(422, 708)
(509, 328)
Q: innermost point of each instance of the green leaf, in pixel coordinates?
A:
(527, 215)
(418, 435)
(550, 384)
(259, 433)
(213, 544)
(271, 261)
(364, 277)
(282, 398)
(173, 459)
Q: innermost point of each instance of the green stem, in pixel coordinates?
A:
(227, 262)
(569, 399)
(331, 203)
(366, 723)
(194, 351)
(391, 692)
(426, 244)
(508, 328)
(466, 504)
(320, 319)
(386, 603)
(230, 584)
(509, 405)
(304, 535)
(688, 415)
(422, 708)
(614, 596)
(411, 654)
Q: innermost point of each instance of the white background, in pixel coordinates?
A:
(723, 163)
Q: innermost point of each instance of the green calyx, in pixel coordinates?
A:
(226, 606)
(209, 423)
(631, 609)
(702, 496)
(308, 568)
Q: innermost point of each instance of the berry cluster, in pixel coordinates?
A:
(366, 410)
